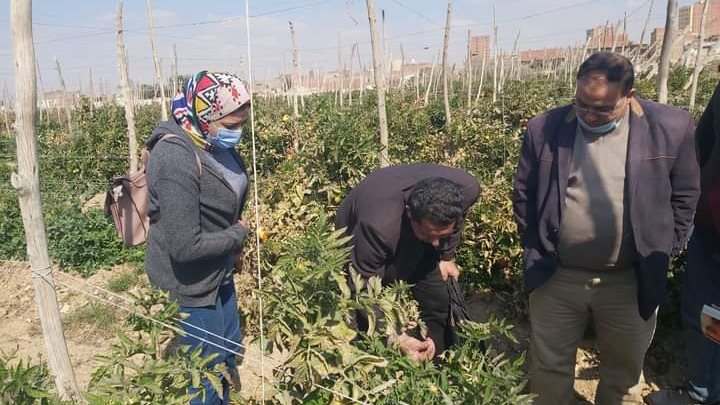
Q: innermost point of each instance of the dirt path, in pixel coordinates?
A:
(21, 332)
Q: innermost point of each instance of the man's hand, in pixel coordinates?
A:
(416, 349)
(449, 269)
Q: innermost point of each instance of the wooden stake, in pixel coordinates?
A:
(92, 94)
(44, 115)
(352, 77)
(468, 73)
(502, 73)
(514, 54)
(402, 70)
(296, 71)
(624, 33)
(647, 22)
(616, 37)
(417, 84)
(446, 40)
(495, 59)
(430, 82)
(698, 57)
(362, 75)
(581, 59)
(6, 107)
(664, 65)
(378, 71)
(157, 63)
(482, 77)
(65, 99)
(176, 87)
(340, 69)
(27, 183)
(126, 91)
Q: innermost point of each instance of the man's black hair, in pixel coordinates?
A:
(437, 200)
(615, 67)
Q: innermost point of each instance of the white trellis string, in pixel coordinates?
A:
(131, 302)
(179, 330)
(257, 206)
(128, 300)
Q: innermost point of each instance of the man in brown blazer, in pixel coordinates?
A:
(605, 192)
(406, 222)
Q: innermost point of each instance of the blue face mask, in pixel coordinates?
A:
(226, 138)
(600, 130)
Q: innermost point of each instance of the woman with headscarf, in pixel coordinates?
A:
(198, 185)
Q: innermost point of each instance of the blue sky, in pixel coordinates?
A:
(212, 34)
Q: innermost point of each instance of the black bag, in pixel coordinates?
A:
(458, 313)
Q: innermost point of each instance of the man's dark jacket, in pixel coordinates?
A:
(707, 138)
(661, 191)
(374, 214)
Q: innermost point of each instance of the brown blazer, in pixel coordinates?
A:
(374, 214)
(662, 188)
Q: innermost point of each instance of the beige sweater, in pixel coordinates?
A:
(595, 231)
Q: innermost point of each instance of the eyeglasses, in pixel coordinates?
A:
(602, 112)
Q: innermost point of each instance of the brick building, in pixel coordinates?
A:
(690, 17)
(479, 46)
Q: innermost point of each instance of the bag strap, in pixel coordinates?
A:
(145, 155)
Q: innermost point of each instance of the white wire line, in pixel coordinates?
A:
(157, 321)
(245, 356)
(131, 302)
(261, 320)
(289, 9)
(417, 13)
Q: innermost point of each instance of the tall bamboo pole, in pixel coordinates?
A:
(501, 84)
(92, 93)
(340, 69)
(495, 59)
(6, 107)
(27, 183)
(514, 54)
(468, 72)
(402, 69)
(647, 22)
(157, 63)
(127, 95)
(624, 42)
(296, 71)
(352, 77)
(698, 57)
(664, 65)
(176, 87)
(65, 98)
(379, 83)
(446, 40)
(615, 37)
(417, 84)
(44, 115)
(362, 75)
(482, 77)
(430, 82)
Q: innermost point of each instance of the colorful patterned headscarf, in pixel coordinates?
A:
(208, 96)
